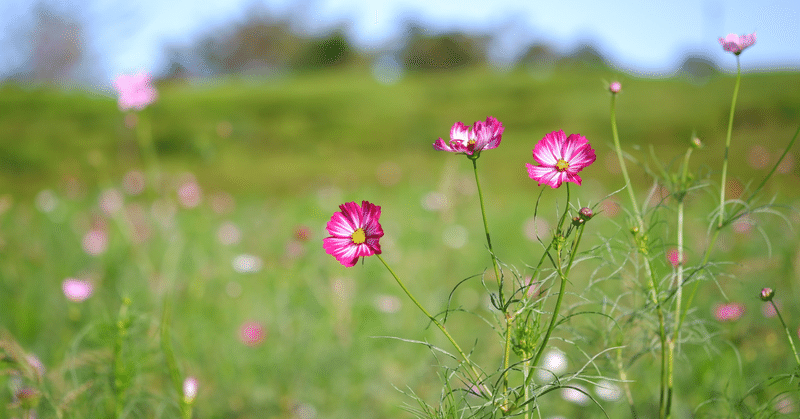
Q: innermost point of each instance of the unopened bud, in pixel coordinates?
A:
(696, 143)
(615, 87)
(576, 221)
(586, 213)
(767, 294)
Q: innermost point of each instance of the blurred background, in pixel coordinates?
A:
(90, 42)
(271, 114)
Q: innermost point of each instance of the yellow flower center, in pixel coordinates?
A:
(562, 165)
(359, 236)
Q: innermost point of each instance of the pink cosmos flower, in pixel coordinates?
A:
(355, 232)
(135, 91)
(736, 44)
(728, 312)
(76, 290)
(482, 136)
(560, 159)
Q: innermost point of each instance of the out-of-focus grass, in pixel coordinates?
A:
(283, 134)
(289, 151)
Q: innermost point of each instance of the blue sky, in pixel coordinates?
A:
(644, 36)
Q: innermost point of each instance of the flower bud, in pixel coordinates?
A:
(634, 230)
(576, 221)
(615, 87)
(767, 294)
(696, 143)
(586, 213)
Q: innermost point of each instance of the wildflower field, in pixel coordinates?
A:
(168, 261)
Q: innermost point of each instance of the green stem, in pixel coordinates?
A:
(144, 136)
(678, 280)
(728, 145)
(507, 347)
(788, 334)
(435, 321)
(563, 274)
(172, 364)
(641, 242)
(775, 167)
(119, 382)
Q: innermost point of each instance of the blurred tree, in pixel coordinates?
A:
(441, 52)
(258, 46)
(329, 51)
(538, 58)
(56, 47)
(698, 69)
(587, 55)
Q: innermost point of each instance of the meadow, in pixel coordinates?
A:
(221, 225)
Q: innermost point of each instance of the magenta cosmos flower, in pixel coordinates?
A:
(482, 136)
(135, 91)
(355, 232)
(560, 159)
(736, 44)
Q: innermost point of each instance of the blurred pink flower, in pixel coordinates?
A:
(95, 242)
(133, 182)
(252, 333)
(111, 201)
(355, 232)
(189, 194)
(728, 312)
(303, 233)
(76, 290)
(615, 87)
(673, 256)
(189, 389)
(483, 136)
(737, 43)
(135, 91)
(560, 159)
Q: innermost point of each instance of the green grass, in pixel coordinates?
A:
(298, 147)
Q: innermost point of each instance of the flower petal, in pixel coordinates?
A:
(544, 175)
(547, 152)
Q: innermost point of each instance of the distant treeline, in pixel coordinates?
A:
(264, 45)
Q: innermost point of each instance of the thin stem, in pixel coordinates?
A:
(507, 347)
(641, 242)
(775, 167)
(681, 194)
(436, 322)
(564, 274)
(120, 379)
(788, 334)
(172, 364)
(621, 161)
(623, 377)
(728, 145)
